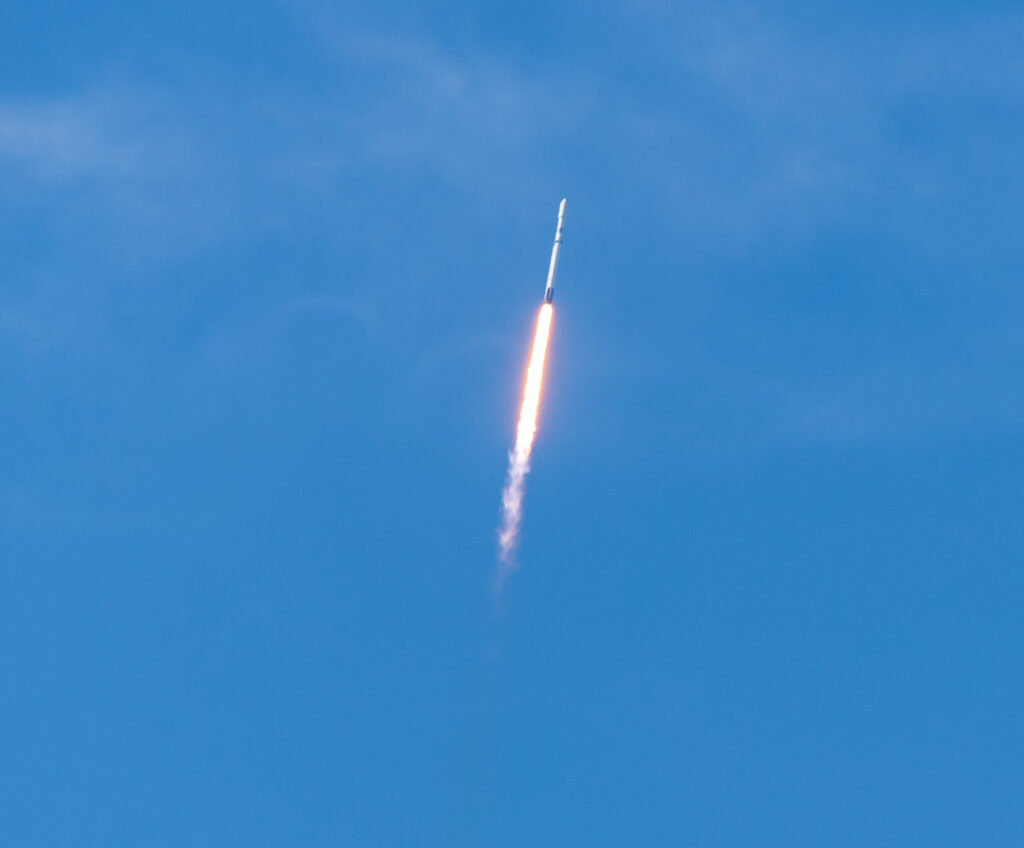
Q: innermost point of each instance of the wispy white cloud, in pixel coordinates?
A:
(398, 105)
(73, 138)
(760, 113)
(764, 132)
(776, 128)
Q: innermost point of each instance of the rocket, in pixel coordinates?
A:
(549, 290)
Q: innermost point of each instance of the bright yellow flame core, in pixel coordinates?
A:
(534, 376)
(519, 459)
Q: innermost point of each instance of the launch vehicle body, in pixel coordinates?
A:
(549, 290)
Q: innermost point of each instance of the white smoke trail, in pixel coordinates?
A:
(519, 457)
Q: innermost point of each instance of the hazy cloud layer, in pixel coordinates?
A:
(780, 141)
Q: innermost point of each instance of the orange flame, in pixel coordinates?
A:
(519, 458)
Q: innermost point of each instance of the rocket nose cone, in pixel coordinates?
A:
(561, 207)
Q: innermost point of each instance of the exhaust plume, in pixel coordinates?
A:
(519, 457)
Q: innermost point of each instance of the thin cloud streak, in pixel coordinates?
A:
(802, 138)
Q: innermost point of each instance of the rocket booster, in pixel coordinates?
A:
(549, 290)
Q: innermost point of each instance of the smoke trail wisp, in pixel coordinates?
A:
(519, 457)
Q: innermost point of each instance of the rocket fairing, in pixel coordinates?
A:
(549, 290)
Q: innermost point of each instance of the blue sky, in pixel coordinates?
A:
(270, 272)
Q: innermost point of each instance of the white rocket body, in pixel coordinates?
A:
(549, 290)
